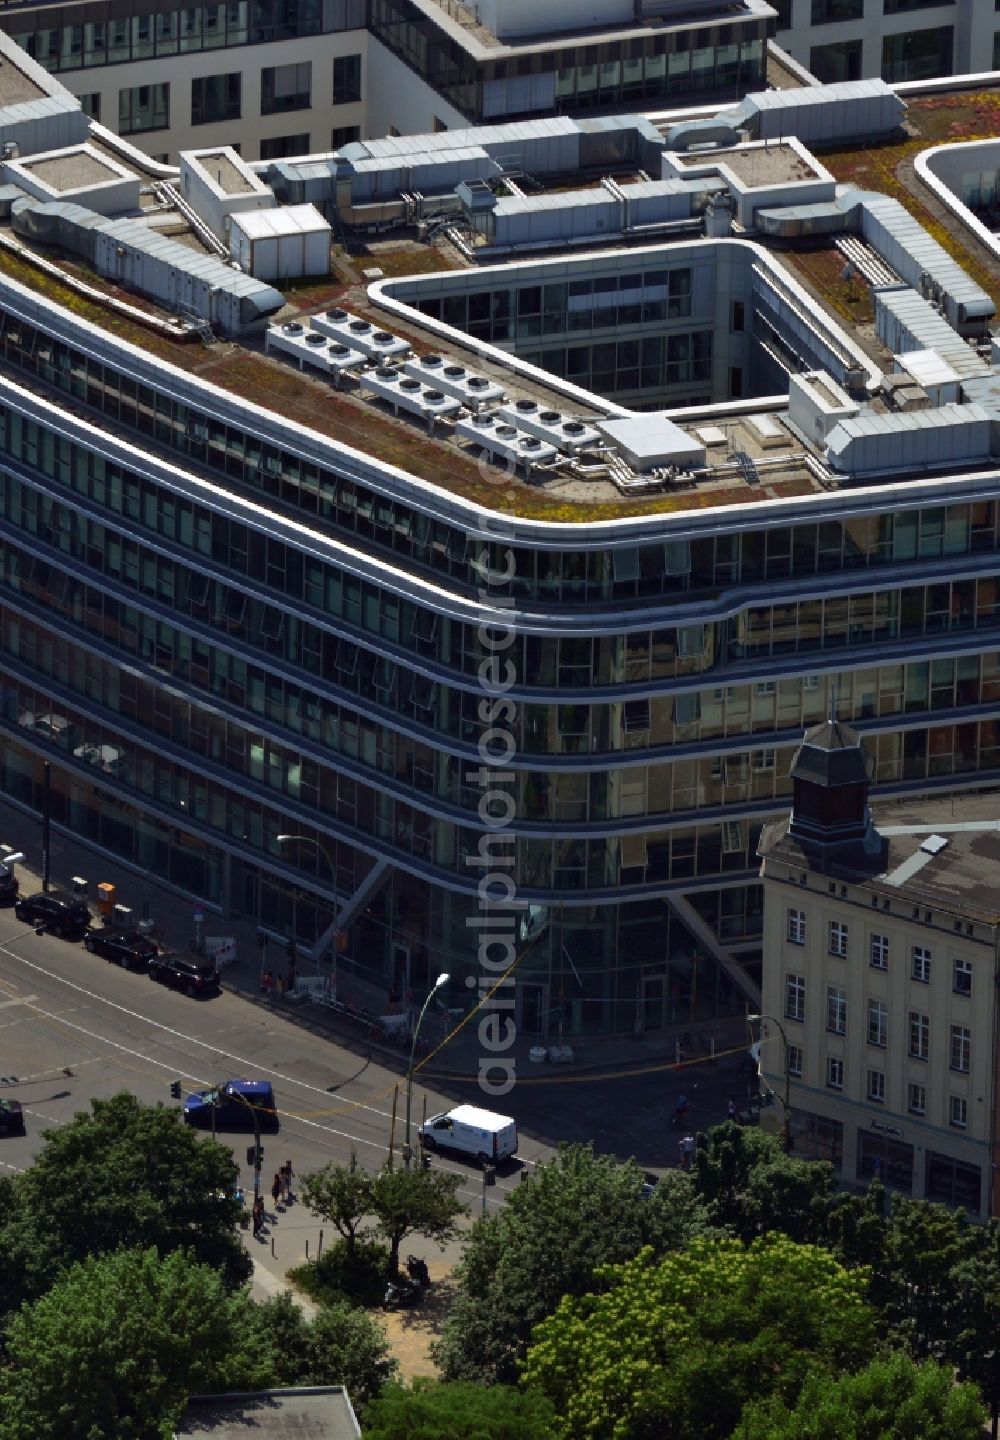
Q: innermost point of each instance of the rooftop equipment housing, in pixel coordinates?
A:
(179, 278)
(360, 334)
(218, 183)
(78, 174)
(916, 441)
(281, 244)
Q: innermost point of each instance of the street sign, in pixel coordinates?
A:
(199, 915)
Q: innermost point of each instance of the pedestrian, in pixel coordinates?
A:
(286, 1181)
(687, 1152)
(279, 988)
(732, 1108)
(258, 1218)
(266, 981)
(276, 1188)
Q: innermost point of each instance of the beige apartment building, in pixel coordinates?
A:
(879, 1014)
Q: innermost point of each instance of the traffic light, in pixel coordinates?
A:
(489, 1175)
(175, 1089)
(255, 1156)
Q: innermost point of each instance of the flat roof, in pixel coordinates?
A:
(957, 878)
(15, 86)
(305, 1413)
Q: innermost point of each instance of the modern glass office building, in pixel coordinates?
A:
(222, 628)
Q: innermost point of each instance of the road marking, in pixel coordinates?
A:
(24, 1000)
(241, 1060)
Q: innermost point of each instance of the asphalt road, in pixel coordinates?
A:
(74, 1026)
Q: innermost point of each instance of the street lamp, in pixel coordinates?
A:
(787, 1133)
(441, 980)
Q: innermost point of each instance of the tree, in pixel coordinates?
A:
(342, 1346)
(912, 1282)
(890, 1399)
(347, 1347)
(579, 1211)
(118, 1344)
(122, 1174)
(973, 1319)
(751, 1186)
(415, 1202)
(457, 1411)
(341, 1195)
(676, 1349)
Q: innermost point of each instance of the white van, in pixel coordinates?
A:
(469, 1131)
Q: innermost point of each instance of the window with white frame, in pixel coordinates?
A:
(961, 981)
(917, 1099)
(876, 1086)
(878, 1023)
(961, 1049)
(795, 1061)
(836, 1010)
(921, 964)
(838, 939)
(878, 952)
(959, 1112)
(795, 997)
(920, 1035)
(835, 1073)
(763, 760)
(796, 927)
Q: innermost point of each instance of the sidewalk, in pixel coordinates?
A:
(174, 914)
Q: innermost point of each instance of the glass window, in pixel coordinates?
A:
(797, 927)
(917, 1099)
(835, 1073)
(959, 1112)
(346, 79)
(795, 997)
(879, 952)
(876, 1086)
(878, 1023)
(285, 87)
(838, 939)
(826, 12)
(961, 1049)
(280, 146)
(795, 1061)
(918, 54)
(921, 964)
(143, 107)
(920, 1035)
(836, 1010)
(962, 977)
(215, 98)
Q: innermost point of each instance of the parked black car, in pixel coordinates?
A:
(185, 972)
(11, 1117)
(128, 948)
(59, 911)
(8, 886)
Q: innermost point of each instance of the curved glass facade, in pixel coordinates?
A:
(220, 628)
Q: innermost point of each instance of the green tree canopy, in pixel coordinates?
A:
(432, 1410)
(415, 1202)
(890, 1399)
(341, 1195)
(579, 1211)
(121, 1174)
(751, 1186)
(118, 1344)
(973, 1318)
(675, 1349)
